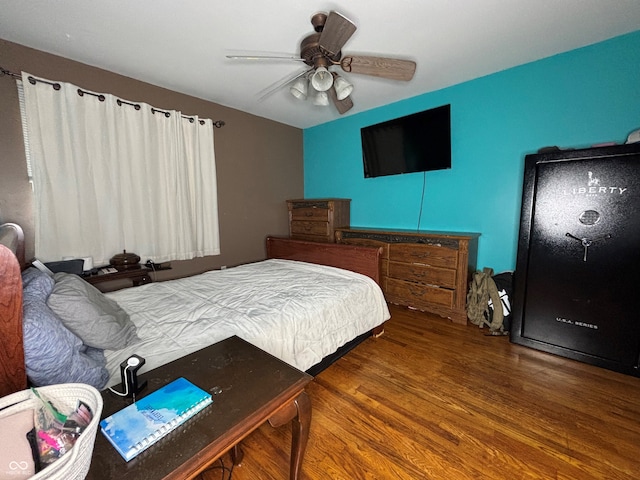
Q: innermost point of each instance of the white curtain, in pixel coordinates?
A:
(110, 177)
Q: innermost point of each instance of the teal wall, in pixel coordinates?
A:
(576, 99)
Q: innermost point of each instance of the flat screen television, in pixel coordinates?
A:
(415, 143)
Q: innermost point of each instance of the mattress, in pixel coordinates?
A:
(296, 311)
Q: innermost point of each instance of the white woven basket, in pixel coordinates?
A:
(74, 465)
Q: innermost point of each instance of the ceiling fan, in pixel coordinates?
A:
(321, 51)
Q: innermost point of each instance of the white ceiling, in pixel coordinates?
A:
(181, 45)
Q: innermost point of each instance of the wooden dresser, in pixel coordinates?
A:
(425, 270)
(316, 219)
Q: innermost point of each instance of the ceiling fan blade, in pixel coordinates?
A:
(335, 33)
(263, 57)
(390, 68)
(341, 105)
(274, 87)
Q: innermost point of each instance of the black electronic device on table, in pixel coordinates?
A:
(129, 374)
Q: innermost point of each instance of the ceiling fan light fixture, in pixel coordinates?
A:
(299, 89)
(343, 88)
(321, 80)
(322, 50)
(321, 99)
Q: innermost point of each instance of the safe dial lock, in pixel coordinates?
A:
(586, 243)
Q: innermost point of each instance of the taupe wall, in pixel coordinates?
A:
(259, 162)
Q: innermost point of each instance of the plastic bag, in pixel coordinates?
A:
(57, 432)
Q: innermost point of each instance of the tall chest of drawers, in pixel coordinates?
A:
(425, 270)
(316, 219)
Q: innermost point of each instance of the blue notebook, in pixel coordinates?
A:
(141, 424)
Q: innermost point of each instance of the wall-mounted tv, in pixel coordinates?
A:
(415, 143)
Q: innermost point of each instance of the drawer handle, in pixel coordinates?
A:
(420, 290)
(308, 214)
(416, 291)
(421, 264)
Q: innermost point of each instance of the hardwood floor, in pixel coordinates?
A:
(434, 400)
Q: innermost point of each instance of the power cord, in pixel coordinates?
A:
(424, 184)
(152, 265)
(156, 267)
(223, 470)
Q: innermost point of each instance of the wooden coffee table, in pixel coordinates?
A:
(252, 387)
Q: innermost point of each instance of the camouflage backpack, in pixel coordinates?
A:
(482, 289)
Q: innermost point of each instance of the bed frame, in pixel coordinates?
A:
(364, 260)
(13, 378)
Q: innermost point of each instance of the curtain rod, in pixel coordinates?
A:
(56, 86)
(4, 72)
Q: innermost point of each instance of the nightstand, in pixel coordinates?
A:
(138, 275)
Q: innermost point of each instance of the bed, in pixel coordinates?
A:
(308, 303)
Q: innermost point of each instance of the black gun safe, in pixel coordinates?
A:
(578, 264)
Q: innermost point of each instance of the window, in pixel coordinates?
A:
(111, 175)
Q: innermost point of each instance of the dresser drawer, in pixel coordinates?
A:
(316, 219)
(412, 272)
(309, 228)
(417, 295)
(365, 242)
(426, 270)
(310, 214)
(423, 254)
